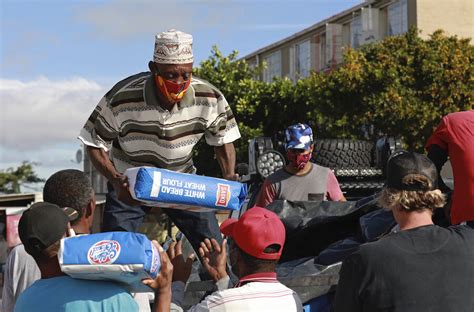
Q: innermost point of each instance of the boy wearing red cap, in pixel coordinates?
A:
(256, 243)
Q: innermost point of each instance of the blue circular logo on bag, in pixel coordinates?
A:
(104, 252)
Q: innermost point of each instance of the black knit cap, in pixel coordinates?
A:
(403, 166)
(41, 226)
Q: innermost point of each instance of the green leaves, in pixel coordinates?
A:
(12, 178)
(400, 86)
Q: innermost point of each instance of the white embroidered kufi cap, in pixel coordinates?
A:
(173, 47)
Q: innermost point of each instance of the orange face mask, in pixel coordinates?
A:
(173, 91)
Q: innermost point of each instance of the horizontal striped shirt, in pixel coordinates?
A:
(255, 292)
(130, 124)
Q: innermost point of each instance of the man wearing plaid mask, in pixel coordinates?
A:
(300, 179)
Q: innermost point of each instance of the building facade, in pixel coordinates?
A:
(320, 46)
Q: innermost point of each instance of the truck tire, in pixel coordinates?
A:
(343, 153)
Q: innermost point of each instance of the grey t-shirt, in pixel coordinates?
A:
(20, 272)
(316, 185)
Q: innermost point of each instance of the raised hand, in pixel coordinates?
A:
(214, 258)
(182, 267)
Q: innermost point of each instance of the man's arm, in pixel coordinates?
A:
(266, 194)
(439, 157)
(334, 192)
(225, 155)
(100, 160)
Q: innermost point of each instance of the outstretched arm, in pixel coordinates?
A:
(100, 160)
(225, 155)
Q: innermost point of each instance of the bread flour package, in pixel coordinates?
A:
(117, 256)
(169, 189)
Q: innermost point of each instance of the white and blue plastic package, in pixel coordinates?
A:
(122, 257)
(169, 189)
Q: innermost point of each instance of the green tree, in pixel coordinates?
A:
(12, 179)
(235, 79)
(400, 86)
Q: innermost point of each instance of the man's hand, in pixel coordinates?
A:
(162, 283)
(232, 177)
(121, 187)
(182, 268)
(214, 258)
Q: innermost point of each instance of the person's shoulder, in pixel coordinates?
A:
(315, 165)
(97, 286)
(467, 114)
(251, 290)
(378, 249)
(108, 286)
(132, 83)
(277, 176)
(463, 232)
(203, 88)
(18, 250)
(318, 169)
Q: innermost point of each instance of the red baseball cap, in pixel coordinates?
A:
(257, 229)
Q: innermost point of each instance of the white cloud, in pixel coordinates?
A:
(127, 19)
(41, 113)
(40, 120)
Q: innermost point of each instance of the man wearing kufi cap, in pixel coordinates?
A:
(300, 179)
(423, 267)
(155, 119)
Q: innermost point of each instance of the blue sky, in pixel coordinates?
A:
(59, 57)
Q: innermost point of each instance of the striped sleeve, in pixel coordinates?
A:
(223, 129)
(101, 128)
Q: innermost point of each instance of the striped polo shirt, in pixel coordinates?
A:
(255, 292)
(130, 124)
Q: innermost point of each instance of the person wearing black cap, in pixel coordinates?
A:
(41, 229)
(423, 267)
(69, 188)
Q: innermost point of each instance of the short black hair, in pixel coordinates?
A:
(260, 265)
(69, 188)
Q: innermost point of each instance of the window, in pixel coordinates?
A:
(322, 54)
(303, 58)
(333, 44)
(273, 66)
(397, 17)
(356, 31)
